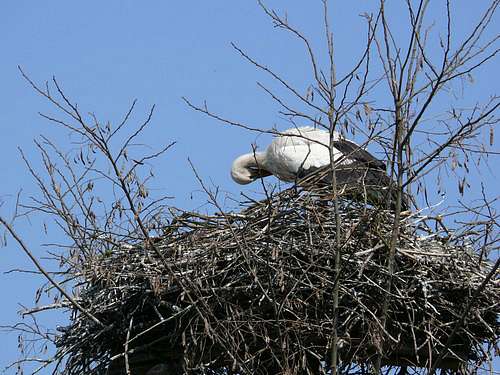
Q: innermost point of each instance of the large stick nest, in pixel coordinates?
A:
(253, 292)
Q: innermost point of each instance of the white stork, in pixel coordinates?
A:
(300, 152)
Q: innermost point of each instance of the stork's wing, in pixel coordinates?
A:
(355, 153)
(354, 180)
(351, 175)
(344, 149)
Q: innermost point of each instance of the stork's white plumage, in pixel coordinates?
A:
(303, 149)
(296, 153)
(299, 152)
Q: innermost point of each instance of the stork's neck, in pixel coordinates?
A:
(249, 167)
(258, 159)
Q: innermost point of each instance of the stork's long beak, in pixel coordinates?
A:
(256, 172)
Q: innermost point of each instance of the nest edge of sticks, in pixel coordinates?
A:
(254, 291)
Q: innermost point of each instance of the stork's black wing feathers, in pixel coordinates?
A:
(362, 177)
(353, 151)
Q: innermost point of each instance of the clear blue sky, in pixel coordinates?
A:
(106, 53)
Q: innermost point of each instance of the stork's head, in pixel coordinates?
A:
(249, 167)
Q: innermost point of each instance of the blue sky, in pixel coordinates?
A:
(107, 53)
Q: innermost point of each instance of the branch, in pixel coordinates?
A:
(47, 275)
(461, 321)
